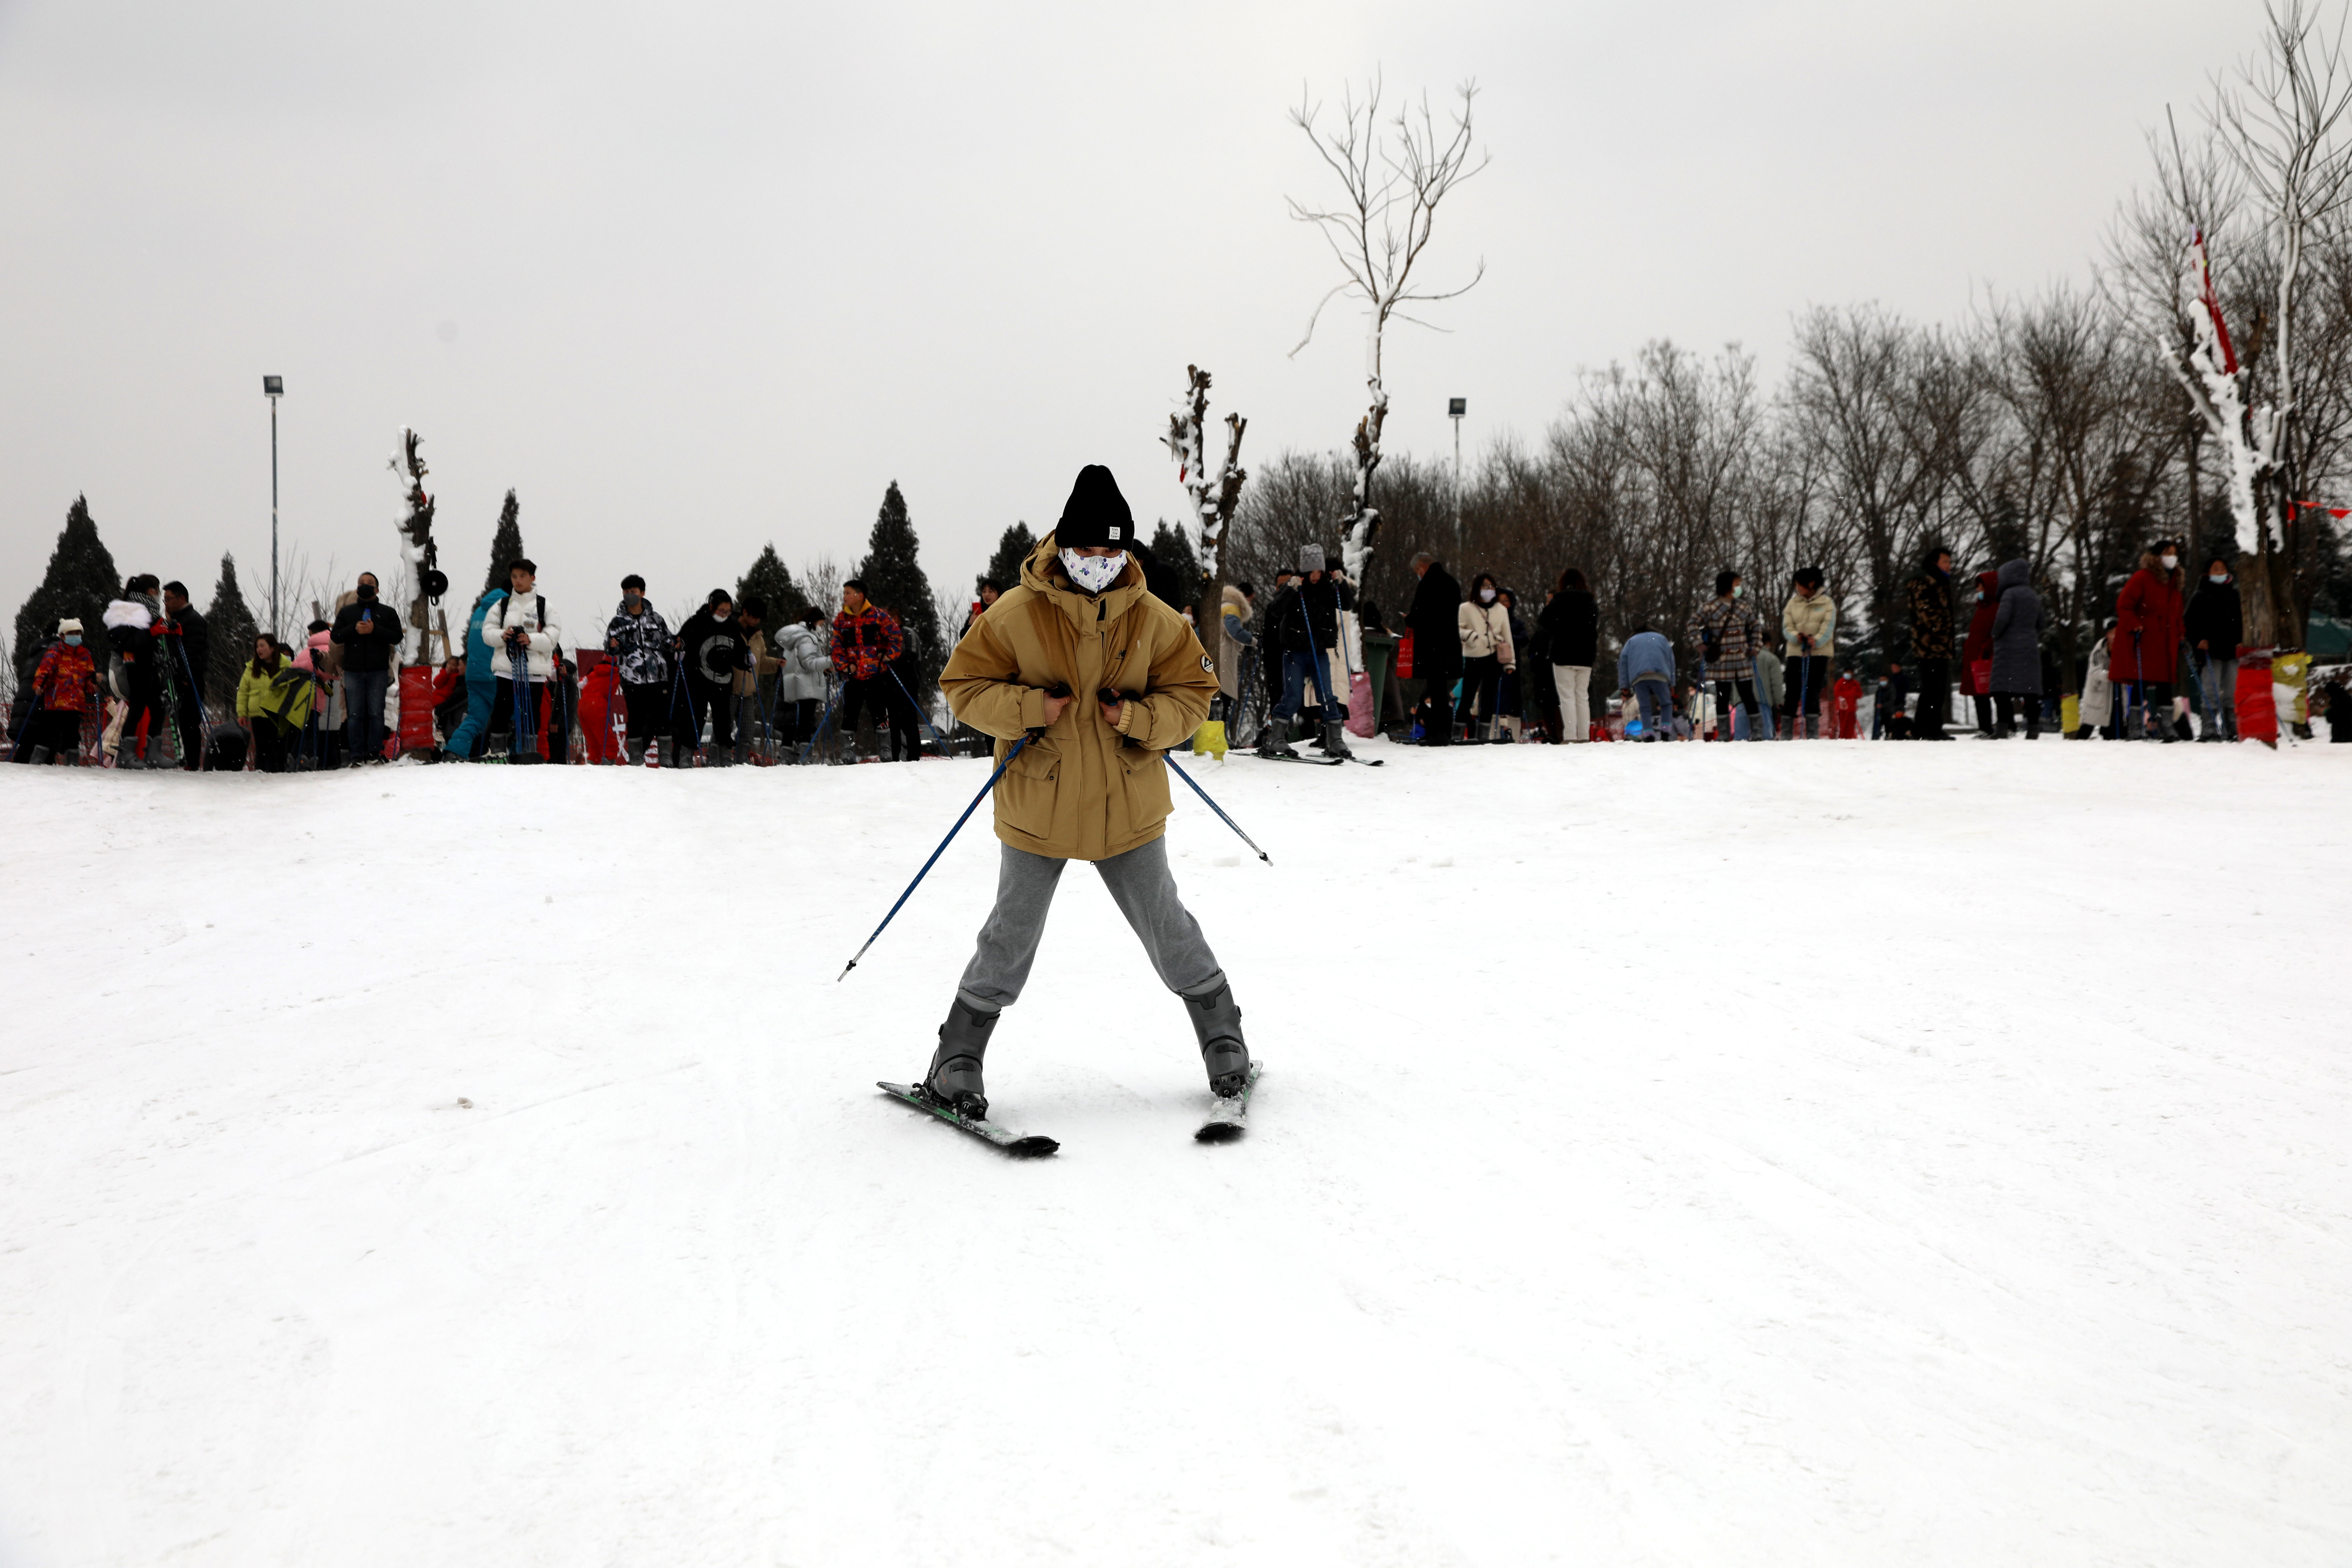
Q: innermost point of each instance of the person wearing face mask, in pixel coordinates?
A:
(1928, 599)
(1730, 634)
(2215, 624)
(366, 635)
(1104, 679)
(65, 688)
(2149, 628)
(639, 641)
(1482, 624)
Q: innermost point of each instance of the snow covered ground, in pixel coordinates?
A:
(1796, 1155)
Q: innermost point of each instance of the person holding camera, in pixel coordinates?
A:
(529, 641)
(367, 636)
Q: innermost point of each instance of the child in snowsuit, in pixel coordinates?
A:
(1846, 702)
(65, 688)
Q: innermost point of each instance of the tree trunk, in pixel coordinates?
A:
(2267, 583)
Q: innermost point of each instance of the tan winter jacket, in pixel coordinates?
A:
(1486, 629)
(1235, 611)
(1815, 617)
(747, 681)
(1081, 791)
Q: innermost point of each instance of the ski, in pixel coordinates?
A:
(1019, 1147)
(1310, 761)
(1368, 762)
(1225, 1124)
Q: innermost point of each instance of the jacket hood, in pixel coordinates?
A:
(2013, 574)
(1236, 601)
(1989, 582)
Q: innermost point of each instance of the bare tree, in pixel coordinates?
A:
(1392, 176)
(1213, 502)
(821, 580)
(2275, 135)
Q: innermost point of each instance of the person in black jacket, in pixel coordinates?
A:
(2215, 622)
(1571, 627)
(183, 644)
(1434, 620)
(714, 647)
(369, 635)
(1305, 626)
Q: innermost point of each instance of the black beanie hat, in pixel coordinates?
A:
(1095, 514)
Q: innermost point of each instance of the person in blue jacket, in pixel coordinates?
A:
(1645, 671)
(481, 680)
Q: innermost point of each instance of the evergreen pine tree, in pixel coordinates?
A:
(771, 581)
(1170, 570)
(1004, 566)
(80, 582)
(505, 545)
(896, 582)
(230, 626)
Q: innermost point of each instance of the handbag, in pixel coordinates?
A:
(1981, 678)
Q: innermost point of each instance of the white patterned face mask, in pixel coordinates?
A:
(1094, 573)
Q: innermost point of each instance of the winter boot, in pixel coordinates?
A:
(954, 1079)
(1334, 740)
(1218, 1024)
(1270, 742)
(42, 756)
(634, 753)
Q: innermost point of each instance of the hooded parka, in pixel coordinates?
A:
(1082, 791)
(2015, 639)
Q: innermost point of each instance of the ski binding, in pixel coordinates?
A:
(1225, 1124)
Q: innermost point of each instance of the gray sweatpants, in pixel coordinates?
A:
(1139, 884)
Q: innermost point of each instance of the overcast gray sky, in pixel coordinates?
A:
(698, 275)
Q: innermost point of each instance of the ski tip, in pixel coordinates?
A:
(1034, 1147)
(1219, 1132)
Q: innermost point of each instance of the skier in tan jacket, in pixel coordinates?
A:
(1105, 679)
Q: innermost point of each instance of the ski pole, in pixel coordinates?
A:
(1804, 689)
(808, 747)
(940, 851)
(1169, 757)
(204, 720)
(918, 706)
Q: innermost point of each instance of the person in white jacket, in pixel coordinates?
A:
(1486, 654)
(802, 664)
(525, 625)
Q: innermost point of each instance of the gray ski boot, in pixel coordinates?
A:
(954, 1079)
(1334, 740)
(1218, 1024)
(42, 756)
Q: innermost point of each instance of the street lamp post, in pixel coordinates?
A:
(273, 387)
(1455, 407)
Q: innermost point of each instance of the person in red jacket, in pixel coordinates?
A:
(1976, 653)
(1845, 699)
(2147, 638)
(64, 687)
(866, 641)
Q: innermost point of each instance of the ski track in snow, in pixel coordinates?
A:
(1846, 1154)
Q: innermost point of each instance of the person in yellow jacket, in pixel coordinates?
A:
(1106, 678)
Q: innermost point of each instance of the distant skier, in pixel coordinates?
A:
(64, 687)
(1091, 785)
(1305, 626)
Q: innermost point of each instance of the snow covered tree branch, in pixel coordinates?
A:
(1392, 175)
(1212, 500)
(417, 548)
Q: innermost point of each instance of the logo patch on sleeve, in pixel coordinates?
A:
(1206, 666)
